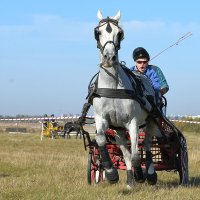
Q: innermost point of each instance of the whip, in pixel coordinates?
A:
(176, 43)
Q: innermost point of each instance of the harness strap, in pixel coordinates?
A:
(118, 93)
(115, 93)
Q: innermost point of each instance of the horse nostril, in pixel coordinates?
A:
(114, 58)
(110, 57)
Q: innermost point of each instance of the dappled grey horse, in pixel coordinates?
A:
(115, 106)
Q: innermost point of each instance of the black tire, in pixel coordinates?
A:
(183, 168)
(95, 173)
(89, 172)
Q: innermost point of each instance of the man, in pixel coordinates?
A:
(154, 73)
(53, 121)
(45, 121)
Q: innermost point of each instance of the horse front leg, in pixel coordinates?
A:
(110, 172)
(121, 139)
(135, 156)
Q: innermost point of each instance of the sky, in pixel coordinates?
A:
(48, 53)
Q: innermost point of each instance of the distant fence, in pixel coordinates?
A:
(38, 118)
(34, 124)
(185, 121)
(71, 118)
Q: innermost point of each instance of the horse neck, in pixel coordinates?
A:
(113, 77)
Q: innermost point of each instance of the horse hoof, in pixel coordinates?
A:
(152, 178)
(112, 175)
(129, 187)
(138, 175)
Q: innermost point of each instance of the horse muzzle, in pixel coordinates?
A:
(109, 60)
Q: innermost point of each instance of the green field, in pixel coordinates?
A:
(31, 169)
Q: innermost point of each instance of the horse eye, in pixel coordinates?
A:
(120, 36)
(97, 33)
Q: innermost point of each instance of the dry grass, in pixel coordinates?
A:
(31, 169)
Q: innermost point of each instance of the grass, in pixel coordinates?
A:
(31, 169)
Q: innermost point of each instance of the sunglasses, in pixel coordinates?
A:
(140, 62)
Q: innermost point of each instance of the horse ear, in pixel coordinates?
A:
(99, 15)
(117, 16)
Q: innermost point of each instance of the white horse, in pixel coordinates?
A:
(115, 108)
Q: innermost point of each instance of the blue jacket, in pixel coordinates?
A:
(152, 75)
(161, 77)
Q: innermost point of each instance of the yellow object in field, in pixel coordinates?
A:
(50, 129)
(47, 128)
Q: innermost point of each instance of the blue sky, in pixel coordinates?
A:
(48, 52)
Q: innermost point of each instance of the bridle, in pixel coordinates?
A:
(97, 32)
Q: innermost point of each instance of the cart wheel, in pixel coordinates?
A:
(183, 162)
(95, 172)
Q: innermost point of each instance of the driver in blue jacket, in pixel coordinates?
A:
(141, 58)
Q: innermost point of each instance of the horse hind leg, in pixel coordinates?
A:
(150, 171)
(138, 173)
(135, 156)
(151, 174)
(111, 173)
(68, 135)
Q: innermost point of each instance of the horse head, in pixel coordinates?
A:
(108, 35)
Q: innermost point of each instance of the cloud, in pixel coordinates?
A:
(58, 28)
(51, 27)
(7, 29)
